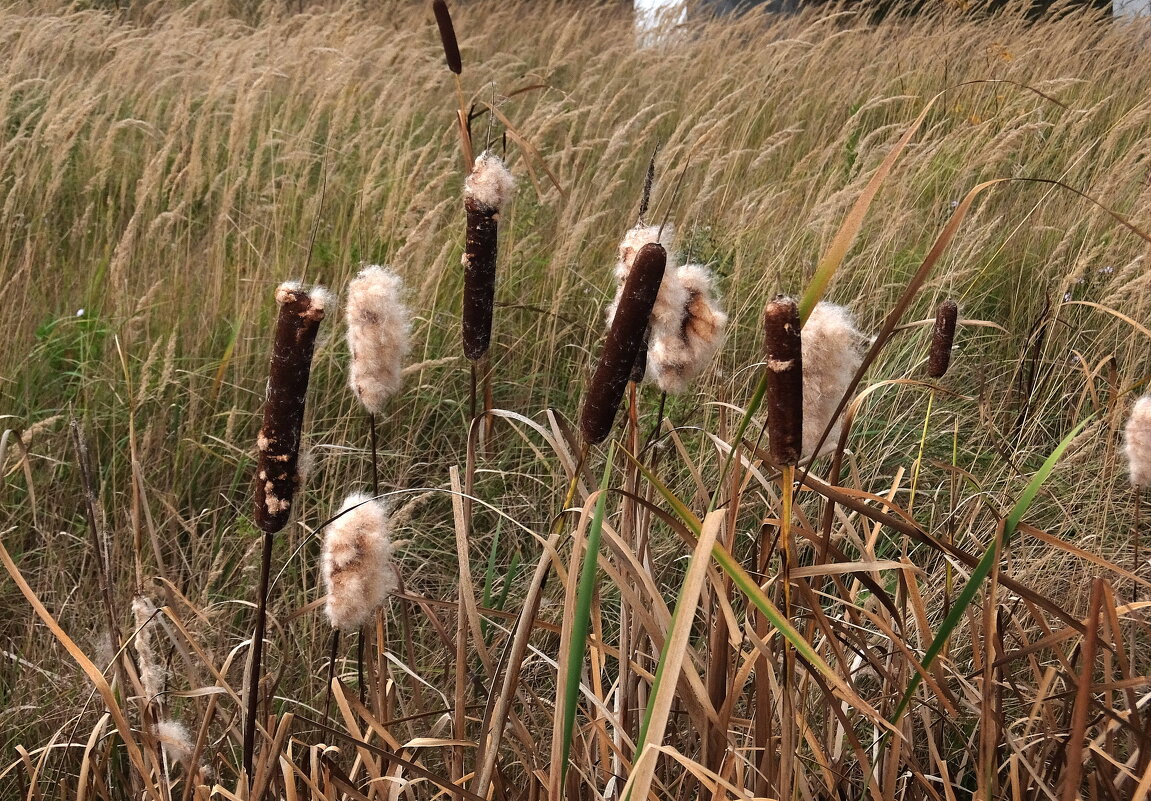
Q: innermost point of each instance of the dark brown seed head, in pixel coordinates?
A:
(479, 278)
(448, 36)
(278, 445)
(625, 339)
(784, 355)
(942, 338)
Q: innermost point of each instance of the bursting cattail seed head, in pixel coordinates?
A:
(667, 313)
(486, 190)
(153, 675)
(680, 352)
(784, 356)
(174, 739)
(448, 36)
(624, 341)
(942, 338)
(1137, 436)
(832, 354)
(357, 562)
(378, 329)
(278, 443)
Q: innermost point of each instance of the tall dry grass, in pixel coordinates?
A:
(164, 168)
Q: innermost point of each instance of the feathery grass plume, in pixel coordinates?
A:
(486, 190)
(679, 353)
(379, 325)
(278, 444)
(832, 354)
(942, 338)
(152, 672)
(785, 376)
(448, 36)
(357, 562)
(1137, 436)
(624, 340)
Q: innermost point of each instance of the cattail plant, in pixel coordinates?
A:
(624, 339)
(785, 373)
(278, 445)
(832, 354)
(679, 353)
(486, 190)
(379, 326)
(357, 562)
(942, 338)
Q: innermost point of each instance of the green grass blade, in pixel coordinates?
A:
(983, 568)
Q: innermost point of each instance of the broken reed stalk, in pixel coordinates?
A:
(278, 447)
(783, 351)
(942, 338)
(624, 341)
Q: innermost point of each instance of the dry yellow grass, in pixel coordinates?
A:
(165, 168)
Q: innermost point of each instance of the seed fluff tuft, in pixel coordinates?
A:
(379, 326)
(490, 183)
(680, 352)
(1137, 434)
(832, 354)
(357, 562)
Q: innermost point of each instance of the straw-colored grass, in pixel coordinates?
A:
(164, 168)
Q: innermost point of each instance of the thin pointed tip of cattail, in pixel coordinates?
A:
(379, 326)
(942, 339)
(448, 36)
(1137, 436)
(357, 563)
(784, 357)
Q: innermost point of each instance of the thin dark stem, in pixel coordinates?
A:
(332, 652)
(658, 421)
(360, 665)
(257, 655)
(375, 457)
(472, 393)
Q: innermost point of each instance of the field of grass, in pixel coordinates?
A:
(163, 169)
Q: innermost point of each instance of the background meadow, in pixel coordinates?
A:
(163, 168)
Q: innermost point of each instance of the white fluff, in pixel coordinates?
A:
(832, 354)
(1137, 436)
(357, 562)
(379, 327)
(679, 351)
(490, 183)
(152, 672)
(669, 303)
(175, 740)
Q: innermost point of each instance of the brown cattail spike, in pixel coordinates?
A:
(624, 341)
(278, 445)
(448, 36)
(942, 338)
(486, 190)
(784, 354)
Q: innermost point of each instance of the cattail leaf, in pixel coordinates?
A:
(784, 355)
(448, 36)
(942, 338)
(624, 341)
(278, 445)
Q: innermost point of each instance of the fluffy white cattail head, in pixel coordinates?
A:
(379, 326)
(490, 183)
(679, 352)
(175, 740)
(832, 353)
(1138, 442)
(152, 672)
(672, 296)
(357, 562)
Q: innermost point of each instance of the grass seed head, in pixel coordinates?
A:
(486, 190)
(942, 338)
(680, 352)
(832, 354)
(1137, 436)
(357, 562)
(278, 444)
(448, 36)
(379, 325)
(153, 675)
(625, 338)
(784, 356)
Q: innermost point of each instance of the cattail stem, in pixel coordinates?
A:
(257, 655)
(624, 340)
(360, 664)
(375, 456)
(784, 399)
(333, 651)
